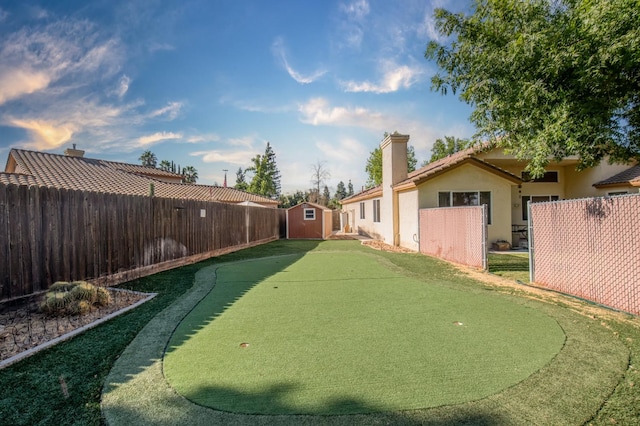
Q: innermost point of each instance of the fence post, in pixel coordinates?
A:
(485, 242)
(530, 243)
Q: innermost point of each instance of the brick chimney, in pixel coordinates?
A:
(73, 152)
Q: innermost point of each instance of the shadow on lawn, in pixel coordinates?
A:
(268, 408)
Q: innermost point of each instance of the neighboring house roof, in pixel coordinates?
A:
(367, 194)
(438, 167)
(631, 176)
(88, 174)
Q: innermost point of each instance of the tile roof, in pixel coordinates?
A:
(88, 174)
(631, 176)
(438, 166)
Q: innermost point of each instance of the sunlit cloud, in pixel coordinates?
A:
(15, 83)
(394, 79)
(279, 52)
(157, 137)
(45, 135)
(170, 112)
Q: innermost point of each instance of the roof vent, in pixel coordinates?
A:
(73, 152)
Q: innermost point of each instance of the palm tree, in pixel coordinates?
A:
(189, 174)
(148, 159)
(165, 165)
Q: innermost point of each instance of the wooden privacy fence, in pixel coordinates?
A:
(50, 234)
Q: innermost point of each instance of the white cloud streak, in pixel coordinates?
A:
(170, 112)
(157, 137)
(394, 78)
(279, 51)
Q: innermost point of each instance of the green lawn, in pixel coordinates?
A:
(514, 266)
(593, 379)
(330, 333)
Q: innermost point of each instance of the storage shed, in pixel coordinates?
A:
(309, 221)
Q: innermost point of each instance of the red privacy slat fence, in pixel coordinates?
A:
(589, 248)
(456, 234)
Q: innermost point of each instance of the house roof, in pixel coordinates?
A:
(438, 167)
(87, 174)
(631, 176)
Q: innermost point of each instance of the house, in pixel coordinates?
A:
(478, 175)
(309, 221)
(76, 172)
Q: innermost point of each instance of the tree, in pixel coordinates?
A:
(374, 165)
(349, 189)
(294, 199)
(547, 79)
(319, 175)
(165, 165)
(241, 183)
(189, 174)
(450, 145)
(326, 196)
(148, 159)
(341, 192)
(266, 177)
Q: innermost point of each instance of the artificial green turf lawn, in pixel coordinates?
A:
(336, 334)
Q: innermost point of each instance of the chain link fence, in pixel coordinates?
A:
(455, 234)
(588, 248)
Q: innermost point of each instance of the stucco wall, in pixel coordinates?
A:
(580, 184)
(364, 226)
(470, 178)
(408, 217)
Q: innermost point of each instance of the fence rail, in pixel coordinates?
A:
(589, 248)
(49, 234)
(456, 234)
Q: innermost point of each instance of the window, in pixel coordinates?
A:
(309, 214)
(469, 198)
(376, 210)
(362, 210)
(547, 177)
(535, 199)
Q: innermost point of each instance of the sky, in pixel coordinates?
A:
(208, 83)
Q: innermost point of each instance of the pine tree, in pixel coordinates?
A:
(241, 183)
(266, 177)
(341, 192)
(349, 189)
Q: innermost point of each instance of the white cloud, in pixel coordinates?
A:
(239, 158)
(318, 111)
(394, 79)
(342, 151)
(356, 10)
(203, 138)
(157, 137)
(123, 86)
(279, 52)
(171, 111)
(246, 141)
(3, 14)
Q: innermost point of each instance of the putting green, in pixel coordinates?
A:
(333, 334)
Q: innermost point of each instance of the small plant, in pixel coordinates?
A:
(73, 298)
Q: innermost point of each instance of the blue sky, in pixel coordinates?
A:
(209, 83)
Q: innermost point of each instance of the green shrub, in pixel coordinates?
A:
(73, 298)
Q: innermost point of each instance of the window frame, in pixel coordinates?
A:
(376, 210)
(362, 215)
(307, 210)
(447, 197)
(526, 198)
